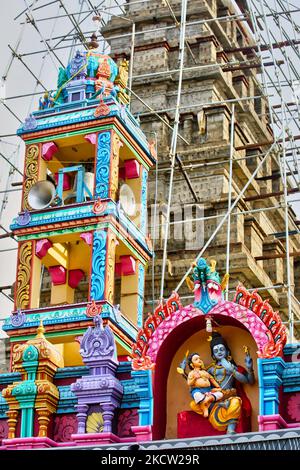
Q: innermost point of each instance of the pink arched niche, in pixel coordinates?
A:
(174, 331)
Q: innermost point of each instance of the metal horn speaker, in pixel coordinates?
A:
(127, 200)
(41, 195)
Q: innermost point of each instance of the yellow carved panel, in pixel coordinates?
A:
(23, 275)
(114, 168)
(31, 172)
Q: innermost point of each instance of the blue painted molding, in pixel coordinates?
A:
(103, 165)
(9, 378)
(124, 367)
(67, 372)
(77, 212)
(67, 400)
(63, 213)
(3, 407)
(291, 349)
(143, 387)
(270, 373)
(98, 265)
(130, 397)
(83, 111)
(80, 371)
(291, 377)
(66, 314)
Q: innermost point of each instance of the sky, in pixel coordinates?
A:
(20, 81)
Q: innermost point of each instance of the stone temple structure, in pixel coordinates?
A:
(88, 365)
(211, 48)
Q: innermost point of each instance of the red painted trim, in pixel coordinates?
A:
(81, 223)
(91, 124)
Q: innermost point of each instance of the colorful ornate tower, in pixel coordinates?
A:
(82, 228)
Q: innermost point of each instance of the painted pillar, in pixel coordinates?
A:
(24, 269)
(143, 210)
(31, 171)
(25, 392)
(35, 279)
(270, 372)
(82, 410)
(141, 289)
(143, 388)
(107, 165)
(103, 266)
(132, 294)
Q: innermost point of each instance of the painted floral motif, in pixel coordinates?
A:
(126, 419)
(294, 407)
(3, 429)
(98, 266)
(64, 427)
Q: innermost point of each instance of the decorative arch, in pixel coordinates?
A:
(242, 315)
(248, 309)
(171, 324)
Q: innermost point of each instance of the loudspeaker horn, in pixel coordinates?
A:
(127, 200)
(41, 195)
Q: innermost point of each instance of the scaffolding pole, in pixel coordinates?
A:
(173, 147)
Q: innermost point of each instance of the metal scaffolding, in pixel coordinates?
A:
(273, 26)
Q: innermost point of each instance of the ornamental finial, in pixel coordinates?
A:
(41, 330)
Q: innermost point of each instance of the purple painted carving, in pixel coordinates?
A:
(64, 426)
(100, 387)
(97, 343)
(18, 319)
(23, 219)
(30, 123)
(126, 419)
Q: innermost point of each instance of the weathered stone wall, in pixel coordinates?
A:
(214, 75)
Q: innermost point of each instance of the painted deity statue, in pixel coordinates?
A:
(206, 284)
(105, 77)
(225, 412)
(46, 101)
(201, 384)
(77, 66)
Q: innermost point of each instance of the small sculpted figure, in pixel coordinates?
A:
(226, 404)
(201, 384)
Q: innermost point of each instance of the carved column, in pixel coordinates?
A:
(107, 165)
(43, 419)
(31, 169)
(100, 387)
(81, 417)
(108, 414)
(12, 423)
(103, 266)
(270, 373)
(25, 260)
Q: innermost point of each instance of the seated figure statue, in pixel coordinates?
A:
(200, 383)
(224, 412)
